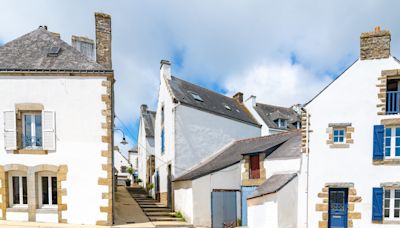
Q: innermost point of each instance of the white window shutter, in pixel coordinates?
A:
(10, 130)
(49, 130)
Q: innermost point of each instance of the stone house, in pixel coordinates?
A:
(146, 159)
(274, 119)
(211, 193)
(192, 122)
(56, 110)
(350, 132)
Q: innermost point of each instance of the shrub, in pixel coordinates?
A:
(128, 182)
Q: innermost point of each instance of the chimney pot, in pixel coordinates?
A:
(165, 69)
(103, 40)
(375, 44)
(238, 97)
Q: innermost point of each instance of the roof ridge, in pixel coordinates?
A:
(275, 106)
(269, 136)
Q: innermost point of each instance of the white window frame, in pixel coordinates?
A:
(344, 135)
(18, 174)
(49, 175)
(393, 145)
(391, 206)
(33, 128)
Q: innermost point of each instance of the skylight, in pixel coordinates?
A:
(197, 97)
(227, 107)
(54, 51)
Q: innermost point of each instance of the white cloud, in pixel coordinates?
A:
(279, 83)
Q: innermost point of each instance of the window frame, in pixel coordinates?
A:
(339, 129)
(394, 135)
(49, 176)
(392, 198)
(20, 176)
(33, 129)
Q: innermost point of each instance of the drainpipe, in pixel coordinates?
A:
(308, 163)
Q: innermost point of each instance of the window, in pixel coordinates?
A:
(282, 123)
(18, 190)
(392, 142)
(338, 135)
(298, 124)
(227, 107)
(162, 115)
(391, 204)
(254, 167)
(32, 130)
(47, 190)
(197, 97)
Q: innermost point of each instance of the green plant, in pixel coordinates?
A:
(179, 214)
(139, 180)
(131, 171)
(239, 222)
(149, 187)
(128, 182)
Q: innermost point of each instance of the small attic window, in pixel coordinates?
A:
(227, 107)
(197, 97)
(54, 51)
(282, 123)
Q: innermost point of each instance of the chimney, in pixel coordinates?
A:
(253, 100)
(143, 108)
(103, 40)
(56, 35)
(238, 97)
(165, 69)
(84, 45)
(375, 45)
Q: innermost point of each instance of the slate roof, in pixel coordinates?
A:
(149, 118)
(272, 185)
(233, 152)
(270, 113)
(212, 102)
(29, 52)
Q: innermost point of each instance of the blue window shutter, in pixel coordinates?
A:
(378, 142)
(377, 200)
(162, 141)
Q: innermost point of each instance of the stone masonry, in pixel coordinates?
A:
(103, 40)
(375, 45)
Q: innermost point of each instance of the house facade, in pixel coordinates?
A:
(350, 133)
(211, 194)
(146, 158)
(274, 119)
(121, 165)
(191, 123)
(56, 113)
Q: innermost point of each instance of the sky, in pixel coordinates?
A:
(284, 52)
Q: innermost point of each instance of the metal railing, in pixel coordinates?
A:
(392, 102)
(31, 142)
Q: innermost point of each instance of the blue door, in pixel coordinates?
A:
(246, 191)
(338, 202)
(223, 209)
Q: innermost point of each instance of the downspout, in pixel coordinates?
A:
(112, 151)
(308, 163)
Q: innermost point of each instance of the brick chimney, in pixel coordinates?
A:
(375, 45)
(103, 40)
(165, 69)
(238, 97)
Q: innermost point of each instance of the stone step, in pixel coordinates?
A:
(152, 204)
(160, 213)
(164, 218)
(155, 209)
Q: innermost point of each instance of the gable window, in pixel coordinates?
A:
(339, 135)
(162, 141)
(392, 142)
(254, 167)
(47, 190)
(32, 130)
(18, 190)
(391, 204)
(282, 123)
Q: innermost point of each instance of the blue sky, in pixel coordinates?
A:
(283, 52)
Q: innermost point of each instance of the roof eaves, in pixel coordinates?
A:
(277, 190)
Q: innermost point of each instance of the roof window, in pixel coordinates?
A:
(197, 97)
(227, 107)
(54, 51)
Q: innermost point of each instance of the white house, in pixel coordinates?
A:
(350, 143)
(56, 132)
(146, 159)
(211, 193)
(133, 158)
(121, 165)
(274, 119)
(191, 123)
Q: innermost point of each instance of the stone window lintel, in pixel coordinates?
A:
(339, 185)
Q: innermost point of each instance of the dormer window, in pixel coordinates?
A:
(297, 124)
(197, 97)
(282, 123)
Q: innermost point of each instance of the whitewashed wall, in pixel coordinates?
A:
(77, 104)
(250, 103)
(195, 196)
(275, 210)
(276, 166)
(119, 161)
(351, 98)
(145, 149)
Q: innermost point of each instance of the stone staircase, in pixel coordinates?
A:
(155, 211)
